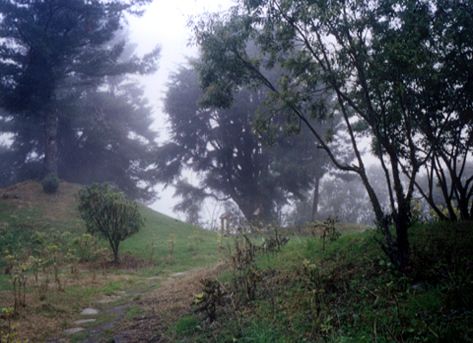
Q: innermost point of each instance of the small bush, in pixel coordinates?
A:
(107, 212)
(50, 184)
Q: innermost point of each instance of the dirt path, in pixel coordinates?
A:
(160, 309)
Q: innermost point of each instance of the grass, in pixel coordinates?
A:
(191, 247)
(186, 325)
(350, 292)
(26, 211)
(134, 312)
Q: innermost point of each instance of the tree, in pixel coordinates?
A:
(372, 56)
(108, 139)
(222, 147)
(108, 213)
(447, 96)
(52, 50)
(104, 136)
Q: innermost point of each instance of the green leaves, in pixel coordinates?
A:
(107, 212)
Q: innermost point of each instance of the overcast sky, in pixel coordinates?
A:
(165, 24)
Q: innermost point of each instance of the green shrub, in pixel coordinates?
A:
(50, 184)
(107, 212)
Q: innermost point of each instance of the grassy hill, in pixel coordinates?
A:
(25, 208)
(347, 292)
(27, 215)
(344, 290)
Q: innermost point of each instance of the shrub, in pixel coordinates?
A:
(212, 296)
(107, 212)
(50, 184)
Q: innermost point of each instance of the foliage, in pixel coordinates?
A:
(86, 248)
(108, 213)
(327, 230)
(274, 244)
(55, 58)
(350, 292)
(339, 193)
(211, 297)
(50, 184)
(27, 231)
(230, 155)
(8, 330)
(373, 58)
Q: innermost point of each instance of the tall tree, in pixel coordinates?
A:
(52, 49)
(222, 147)
(446, 95)
(371, 55)
(104, 136)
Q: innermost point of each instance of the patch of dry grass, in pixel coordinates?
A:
(60, 206)
(162, 307)
(48, 313)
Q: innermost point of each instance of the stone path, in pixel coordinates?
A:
(161, 306)
(89, 311)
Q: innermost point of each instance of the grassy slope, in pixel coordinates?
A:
(25, 209)
(193, 247)
(350, 293)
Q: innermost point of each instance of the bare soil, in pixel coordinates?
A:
(60, 206)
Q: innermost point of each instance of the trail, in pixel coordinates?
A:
(159, 307)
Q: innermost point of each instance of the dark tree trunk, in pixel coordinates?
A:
(471, 211)
(315, 199)
(51, 149)
(116, 258)
(257, 211)
(402, 241)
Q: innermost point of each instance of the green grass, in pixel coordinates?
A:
(351, 293)
(186, 325)
(134, 312)
(192, 247)
(56, 218)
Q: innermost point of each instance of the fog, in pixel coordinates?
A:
(166, 23)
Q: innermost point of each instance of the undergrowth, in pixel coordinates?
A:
(349, 292)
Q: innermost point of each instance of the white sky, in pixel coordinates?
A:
(165, 24)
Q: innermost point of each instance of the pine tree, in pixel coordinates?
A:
(54, 51)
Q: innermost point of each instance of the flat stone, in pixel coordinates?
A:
(73, 331)
(89, 311)
(84, 321)
(178, 274)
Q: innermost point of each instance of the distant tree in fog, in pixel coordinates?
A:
(231, 159)
(343, 196)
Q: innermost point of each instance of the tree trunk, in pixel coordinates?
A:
(402, 223)
(116, 258)
(315, 200)
(51, 150)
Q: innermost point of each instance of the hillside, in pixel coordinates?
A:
(48, 226)
(170, 288)
(347, 291)
(24, 208)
